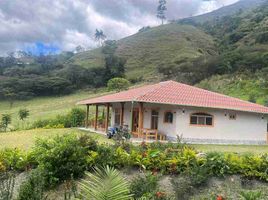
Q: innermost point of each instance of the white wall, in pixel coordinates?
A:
(246, 127)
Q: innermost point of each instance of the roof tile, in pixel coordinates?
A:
(171, 92)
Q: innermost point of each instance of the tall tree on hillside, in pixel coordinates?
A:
(99, 36)
(161, 10)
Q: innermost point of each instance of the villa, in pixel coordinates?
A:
(169, 109)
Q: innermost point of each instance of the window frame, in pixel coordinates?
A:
(164, 120)
(201, 114)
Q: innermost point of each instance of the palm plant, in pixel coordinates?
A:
(99, 36)
(105, 184)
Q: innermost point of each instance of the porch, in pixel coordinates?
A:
(119, 115)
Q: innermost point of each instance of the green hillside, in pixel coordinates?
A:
(230, 44)
(158, 46)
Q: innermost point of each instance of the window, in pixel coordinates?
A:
(232, 116)
(201, 119)
(168, 117)
(117, 116)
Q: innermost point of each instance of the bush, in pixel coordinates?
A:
(33, 187)
(61, 158)
(143, 186)
(118, 84)
(74, 118)
(23, 114)
(16, 159)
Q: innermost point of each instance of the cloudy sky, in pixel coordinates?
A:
(60, 25)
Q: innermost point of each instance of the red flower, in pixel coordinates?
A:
(219, 197)
(160, 194)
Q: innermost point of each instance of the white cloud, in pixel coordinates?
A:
(69, 23)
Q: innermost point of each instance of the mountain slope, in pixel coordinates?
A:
(145, 51)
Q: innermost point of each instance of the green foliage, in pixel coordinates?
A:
(144, 185)
(252, 99)
(23, 113)
(251, 195)
(33, 187)
(61, 158)
(74, 118)
(216, 164)
(16, 159)
(5, 121)
(105, 184)
(118, 84)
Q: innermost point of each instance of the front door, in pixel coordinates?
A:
(154, 119)
(135, 120)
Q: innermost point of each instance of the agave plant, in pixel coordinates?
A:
(105, 184)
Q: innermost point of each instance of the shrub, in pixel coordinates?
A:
(216, 164)
(62, 157)
(23, 114)
(105, 183)
(16, 159)
(33, 187)
(76, 117)
(118, 84)
(143, 186)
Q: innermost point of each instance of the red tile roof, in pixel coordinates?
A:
(171, 92)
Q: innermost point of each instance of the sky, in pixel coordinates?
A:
(52, 26)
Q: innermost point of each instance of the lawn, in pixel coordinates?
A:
(45, 107)
(231, 148)
(26, 139)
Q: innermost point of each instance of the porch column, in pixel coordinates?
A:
(131, 117)
(140, 118)
(96, 117)
(107, 117)
(87, 116)
(122, 114)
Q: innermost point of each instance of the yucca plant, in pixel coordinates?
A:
(105, 184)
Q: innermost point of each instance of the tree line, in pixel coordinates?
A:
(48, 75)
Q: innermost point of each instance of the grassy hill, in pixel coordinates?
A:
(147, 50)
(44, 107)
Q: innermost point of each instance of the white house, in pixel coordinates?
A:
(171, 108)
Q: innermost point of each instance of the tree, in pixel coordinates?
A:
(99, 36)
(118, 84)
(23, 114)
(161, 10)
(10, 95)
(6, 120)
(106, 183)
